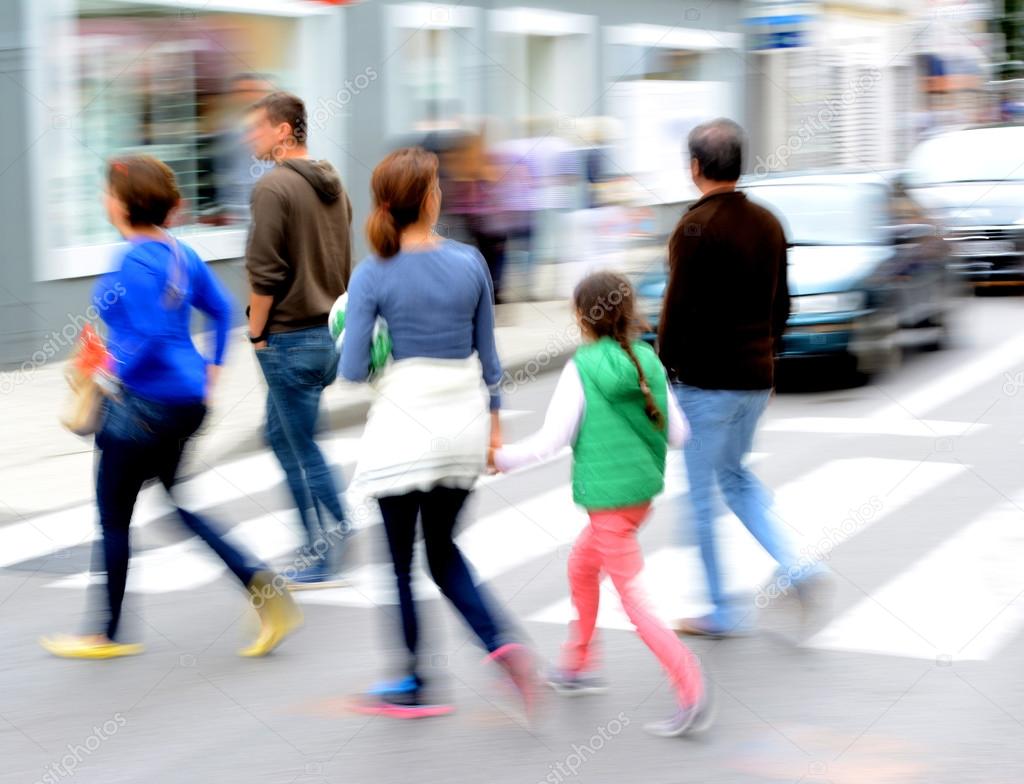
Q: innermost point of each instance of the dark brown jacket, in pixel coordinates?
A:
(299, 249)
(727, 299)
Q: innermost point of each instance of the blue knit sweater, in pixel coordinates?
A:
(438, 303)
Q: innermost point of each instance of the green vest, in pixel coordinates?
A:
(619, 455)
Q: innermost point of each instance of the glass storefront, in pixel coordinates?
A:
(166, 80)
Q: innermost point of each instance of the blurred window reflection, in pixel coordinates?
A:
(140, 78)
(826, 214)
(968, 157)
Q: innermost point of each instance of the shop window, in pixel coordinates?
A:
(124, 78)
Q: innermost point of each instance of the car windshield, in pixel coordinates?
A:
(981, 155)
(825, 214)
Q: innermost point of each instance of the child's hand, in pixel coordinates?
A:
(495, 442)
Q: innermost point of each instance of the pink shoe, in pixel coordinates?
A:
(518, 662)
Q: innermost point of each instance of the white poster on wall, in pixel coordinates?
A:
(655, 117)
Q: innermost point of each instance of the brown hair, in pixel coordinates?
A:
(282, 107)
(400, 184)
(605, 302)
(146, 186)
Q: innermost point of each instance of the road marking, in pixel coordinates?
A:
(502, 541)
(962, 601)
(955, 383)
(824, 506)
(901, 426)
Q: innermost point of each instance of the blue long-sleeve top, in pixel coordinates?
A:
(438, 303)
(149, 335)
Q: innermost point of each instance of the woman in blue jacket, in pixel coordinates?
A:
(160, 403)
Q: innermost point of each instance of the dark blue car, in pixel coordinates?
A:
(867, 273)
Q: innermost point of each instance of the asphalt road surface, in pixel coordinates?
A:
(910, 487)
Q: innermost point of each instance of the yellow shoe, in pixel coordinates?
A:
(279, 615)
(88, 647)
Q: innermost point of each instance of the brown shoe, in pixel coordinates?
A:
(704, 627)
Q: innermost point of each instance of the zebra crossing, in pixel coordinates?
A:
(956, 600)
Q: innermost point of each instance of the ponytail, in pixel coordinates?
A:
(382, 232)
(400, 185)
(650, 406)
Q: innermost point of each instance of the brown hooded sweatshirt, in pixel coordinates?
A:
(299, 249)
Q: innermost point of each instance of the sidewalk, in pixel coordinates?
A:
(44, 467)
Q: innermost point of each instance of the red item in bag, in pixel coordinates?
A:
(92, 353)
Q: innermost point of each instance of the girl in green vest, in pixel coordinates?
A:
(612, 404)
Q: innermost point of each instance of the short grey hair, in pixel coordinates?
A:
(717, 146)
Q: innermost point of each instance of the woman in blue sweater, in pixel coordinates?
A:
(164, 383)
(426, 437)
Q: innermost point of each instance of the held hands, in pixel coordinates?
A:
(495, 442)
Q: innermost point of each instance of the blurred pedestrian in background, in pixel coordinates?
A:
(236, 170)
(299, 259)
(164, 383)
(426, 436)
(613, 406)
(725, 310)
(473, 193)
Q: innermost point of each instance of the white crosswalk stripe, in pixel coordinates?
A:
(823, 508)
(962, 600)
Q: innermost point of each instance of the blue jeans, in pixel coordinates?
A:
(141, 440)
(298, 367)
(723, 423)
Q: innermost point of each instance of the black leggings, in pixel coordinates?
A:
(439, 509)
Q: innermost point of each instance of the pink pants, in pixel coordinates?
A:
(609, 545)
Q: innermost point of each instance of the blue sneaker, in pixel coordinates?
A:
(313, 577)
(404, 698)
(406, 685)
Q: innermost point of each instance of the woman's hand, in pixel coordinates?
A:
(212, 377)
(495, 442)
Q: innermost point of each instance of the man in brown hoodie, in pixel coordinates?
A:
(299, 259)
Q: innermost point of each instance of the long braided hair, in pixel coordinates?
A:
(605, 302)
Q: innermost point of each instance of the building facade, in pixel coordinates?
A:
(90, 78)
(832, 84)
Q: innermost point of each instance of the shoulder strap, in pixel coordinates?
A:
(177, 276)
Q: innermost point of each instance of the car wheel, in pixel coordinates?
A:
(941, 339)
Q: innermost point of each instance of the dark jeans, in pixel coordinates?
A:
(298, 366)
(492, 247)
(439, 509)
(142, 440)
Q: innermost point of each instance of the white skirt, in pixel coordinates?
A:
(429, 425)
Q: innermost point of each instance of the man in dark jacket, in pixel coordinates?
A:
(299, 259)
(725, 309)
